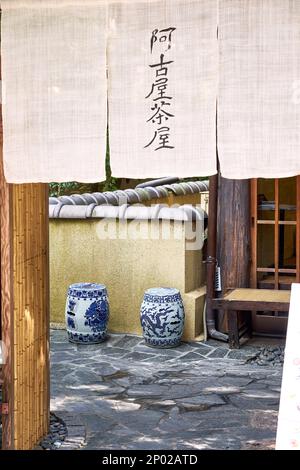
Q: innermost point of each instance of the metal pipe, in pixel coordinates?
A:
(211, 260)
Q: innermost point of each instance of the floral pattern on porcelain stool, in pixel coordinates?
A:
(162, 317)
(87, 313)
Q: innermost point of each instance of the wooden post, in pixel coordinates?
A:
(233, 246)
(24, 311)
(7, 306)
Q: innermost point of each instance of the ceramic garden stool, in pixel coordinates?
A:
(87, 313)
(162, 317)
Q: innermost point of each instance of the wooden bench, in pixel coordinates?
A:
(249, 300)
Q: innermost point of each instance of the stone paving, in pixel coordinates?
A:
(196, 396)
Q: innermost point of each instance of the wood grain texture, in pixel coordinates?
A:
(258, 295)
(254, 299)
(24, 311)
(253, 235)
(7, 318)
(31, 311)
(233, 237)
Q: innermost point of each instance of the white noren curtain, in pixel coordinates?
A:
(54, 90)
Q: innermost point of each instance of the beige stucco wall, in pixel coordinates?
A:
(127, 266)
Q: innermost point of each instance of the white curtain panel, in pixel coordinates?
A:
(259, 92)
(162, 86)
(54, 90)
(288, 428)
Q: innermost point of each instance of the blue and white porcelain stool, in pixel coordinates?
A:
(162, 317)
(87, 313)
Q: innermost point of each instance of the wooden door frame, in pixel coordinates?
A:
(254, 237)
(265, 324)
(7, 307)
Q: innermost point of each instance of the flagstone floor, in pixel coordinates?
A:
(196, 396)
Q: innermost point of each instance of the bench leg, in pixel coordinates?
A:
(233, 330)
(249, 323)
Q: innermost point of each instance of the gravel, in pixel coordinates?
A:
(57, 435)
(268, 355)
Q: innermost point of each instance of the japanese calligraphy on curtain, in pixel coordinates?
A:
(162, 86)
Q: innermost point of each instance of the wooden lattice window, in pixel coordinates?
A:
(275, 238)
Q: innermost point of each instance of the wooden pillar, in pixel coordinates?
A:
(24, 311)
(233, 240)
(7, 308)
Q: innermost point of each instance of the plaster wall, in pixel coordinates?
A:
(128, 261)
